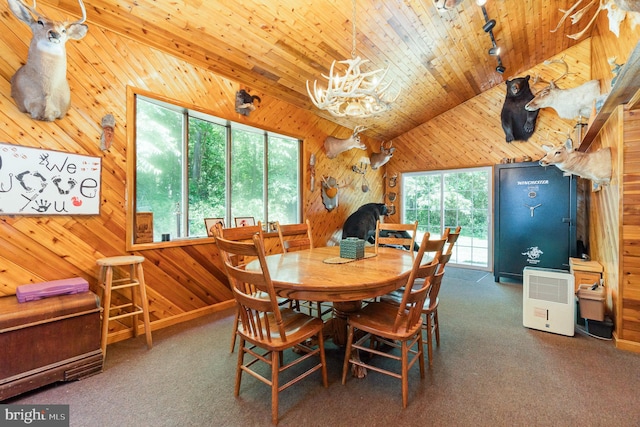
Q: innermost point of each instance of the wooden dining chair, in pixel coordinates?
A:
(433, 249)
(397, 326)
(238, 234)
(398, 235)
(295, 237)
(452, 238)
(431, 323)
(266, 329)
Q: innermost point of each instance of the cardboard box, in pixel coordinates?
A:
(591, 302)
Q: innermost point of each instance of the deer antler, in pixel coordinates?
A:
(566, 15)
(358, 129)
(538, 79)
(577, 16)
(558, 61)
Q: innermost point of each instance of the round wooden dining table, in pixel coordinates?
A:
(319, 275)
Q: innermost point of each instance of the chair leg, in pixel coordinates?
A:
(436, 325)
(323, 361)
(239, 366)
(405, 373)
(275, 368)
(347, 354)
(421, 356)
(234, 331)
(429, 339)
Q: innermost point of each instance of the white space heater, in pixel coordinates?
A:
(548, 300)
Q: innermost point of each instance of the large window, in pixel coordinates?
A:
(440, 199)
(190, 166)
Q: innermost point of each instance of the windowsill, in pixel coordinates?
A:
(189, 241)
(172, 243)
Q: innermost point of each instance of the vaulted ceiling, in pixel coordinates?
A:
(437, 58)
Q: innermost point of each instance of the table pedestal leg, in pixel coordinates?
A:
(341, 312)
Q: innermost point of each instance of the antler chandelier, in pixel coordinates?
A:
(356, 93)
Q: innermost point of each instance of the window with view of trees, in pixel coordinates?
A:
(441, 199)
(190, 166)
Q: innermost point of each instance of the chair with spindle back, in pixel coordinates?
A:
(295, 237)
(266, 330)
(430, 310)
(398, 326)
(398, 235)
(238, 234)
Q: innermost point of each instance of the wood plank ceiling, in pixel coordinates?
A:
(437, 58)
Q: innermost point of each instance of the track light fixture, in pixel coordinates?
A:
(500, 68)
(488, 27)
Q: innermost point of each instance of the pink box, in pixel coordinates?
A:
(37, 291)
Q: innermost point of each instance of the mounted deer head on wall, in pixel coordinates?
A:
(381, 158)
(568, 103)
(334, 146)
(40, 86)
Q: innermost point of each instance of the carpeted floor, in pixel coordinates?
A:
(488, 371)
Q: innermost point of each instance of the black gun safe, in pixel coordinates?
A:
(535, 218)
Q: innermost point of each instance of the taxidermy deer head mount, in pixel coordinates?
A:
(595, 166)
(334, 146)
(244, 102)
(40, 86)
(381, 158)
(568, 103)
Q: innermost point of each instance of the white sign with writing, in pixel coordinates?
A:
(34, 181)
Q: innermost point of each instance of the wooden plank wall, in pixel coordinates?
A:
(613, 219)
(183, 281)
(604, 210)
(628, 299)
(186, 281)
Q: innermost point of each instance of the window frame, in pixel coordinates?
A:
(131, 179)
(441, 174)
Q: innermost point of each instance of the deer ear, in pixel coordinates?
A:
(568, 144)
(21, 12)
(77, 31)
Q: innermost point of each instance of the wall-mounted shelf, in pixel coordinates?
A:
(625, 90)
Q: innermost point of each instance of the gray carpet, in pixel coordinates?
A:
(488, 371)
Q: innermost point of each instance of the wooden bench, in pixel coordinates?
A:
(48, 340)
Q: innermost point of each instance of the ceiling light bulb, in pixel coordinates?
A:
(494, 51)
(488, 26)
(481, 2)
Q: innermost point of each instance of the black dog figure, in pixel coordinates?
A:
(362, 223)
(518, 123)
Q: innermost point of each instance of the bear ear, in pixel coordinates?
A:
(528, 77)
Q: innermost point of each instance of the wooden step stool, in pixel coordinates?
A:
(135, 279)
